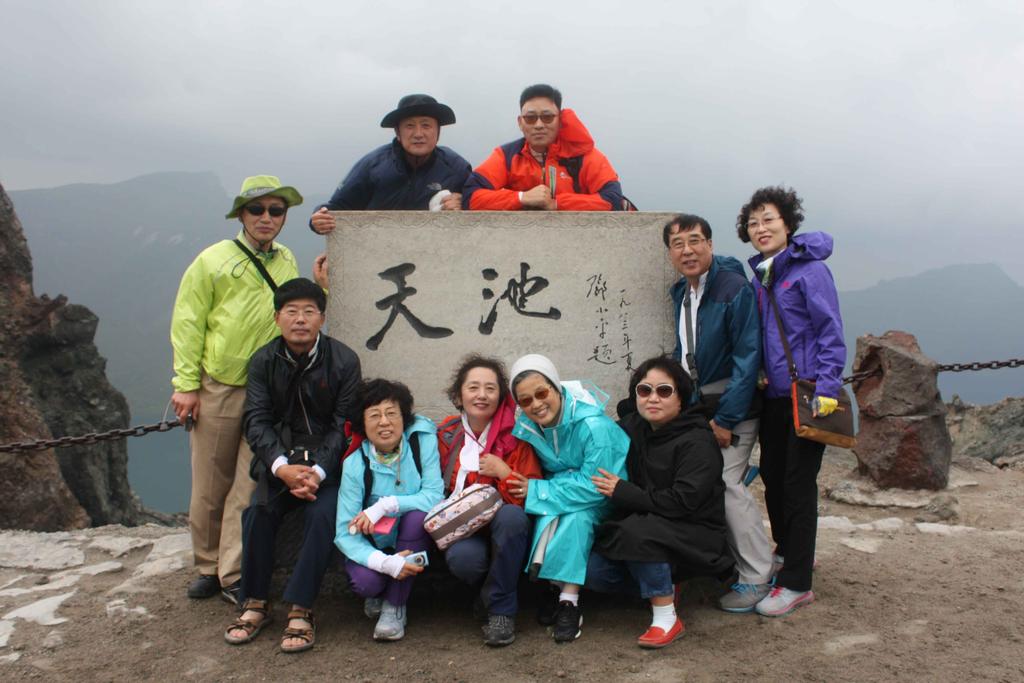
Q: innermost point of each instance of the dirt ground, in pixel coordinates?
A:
(893, 602)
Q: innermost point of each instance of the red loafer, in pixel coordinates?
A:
(655, 637)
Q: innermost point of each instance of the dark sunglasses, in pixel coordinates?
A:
(257, 210)
(662, 390)
(530, 119)
(540, 395)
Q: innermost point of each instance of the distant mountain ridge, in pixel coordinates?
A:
(121, 249)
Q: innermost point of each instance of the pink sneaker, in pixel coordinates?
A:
(781, 601)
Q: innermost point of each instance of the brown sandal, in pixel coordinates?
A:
(251, 628)
(307, 635)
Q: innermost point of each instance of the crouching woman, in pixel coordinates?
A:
(477, 447)
(573, 438)
(388, 484)
(670, 516)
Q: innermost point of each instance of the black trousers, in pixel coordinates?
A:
(789, 469)
(259, 531)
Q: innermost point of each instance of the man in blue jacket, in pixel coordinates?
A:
(719, 343)
(412, 172)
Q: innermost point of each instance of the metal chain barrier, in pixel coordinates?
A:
(166, 426)
(991, 365)
(950, 367)
(95, 437)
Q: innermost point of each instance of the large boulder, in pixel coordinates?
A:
(909, 382)
(994, 432)
(903, 441)
(909, 452)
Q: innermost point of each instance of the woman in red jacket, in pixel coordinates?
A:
(477, 446)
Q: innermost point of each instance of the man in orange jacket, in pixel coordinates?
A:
(554, 166)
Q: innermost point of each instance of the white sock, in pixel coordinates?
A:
(664, 616)
(574, 598)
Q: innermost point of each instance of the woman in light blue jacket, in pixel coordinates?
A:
(573, 439)
(394, 474)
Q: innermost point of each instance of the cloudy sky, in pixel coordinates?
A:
(900, 123)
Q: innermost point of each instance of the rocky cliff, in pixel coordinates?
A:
(52, 383)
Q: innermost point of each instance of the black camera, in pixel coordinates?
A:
(300, 455)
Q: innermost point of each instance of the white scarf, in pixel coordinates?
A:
(469, 456)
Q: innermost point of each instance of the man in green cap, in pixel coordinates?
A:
(223, 313)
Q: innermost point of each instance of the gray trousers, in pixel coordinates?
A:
(747, 539)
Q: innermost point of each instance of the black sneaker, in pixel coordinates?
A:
(500, 630)
(204, 586)
(231, 593)
(568, 622)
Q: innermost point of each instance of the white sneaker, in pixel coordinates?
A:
(391, 625)
(781, 601)
(371, 607)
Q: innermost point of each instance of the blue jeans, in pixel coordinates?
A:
(495, 556)
(648, 579)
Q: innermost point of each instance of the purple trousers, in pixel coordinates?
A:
(367, 583)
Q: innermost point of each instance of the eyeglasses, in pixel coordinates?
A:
(662, 390)
(546, 117)
(694, 243)
(276, 210)
(754, 224)
(540, 395)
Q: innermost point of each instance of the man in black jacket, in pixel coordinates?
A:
(300, 392)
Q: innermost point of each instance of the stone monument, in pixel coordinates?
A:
(412, 292)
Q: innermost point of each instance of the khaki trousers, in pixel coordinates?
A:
(221, 486)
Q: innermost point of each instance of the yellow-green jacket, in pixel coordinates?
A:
(224, 312)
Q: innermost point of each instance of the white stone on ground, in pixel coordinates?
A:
(13, 581)
(837, 523)
(93, 569)
(864, 545)
(13, 657)
(886, 524)
(119, 545)
(169, 554)
(43, 611)
(120, 609)
(60, 583)
(842, 644)
(53, 640)
(942, 529)
(39, 551)
(6, 629)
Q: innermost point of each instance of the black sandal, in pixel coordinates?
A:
(306, 635)
(251, 628)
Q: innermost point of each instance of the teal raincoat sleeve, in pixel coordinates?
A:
(604, 446)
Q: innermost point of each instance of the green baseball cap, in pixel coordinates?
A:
(256, 186)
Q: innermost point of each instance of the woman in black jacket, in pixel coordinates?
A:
(670, 515)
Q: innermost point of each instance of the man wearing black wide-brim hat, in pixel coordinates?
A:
(412, 172)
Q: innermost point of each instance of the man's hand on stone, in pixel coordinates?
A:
(538, 198)
(322, 221)
(185, 402)
(452, 202)
(722, 435)
(320, 270)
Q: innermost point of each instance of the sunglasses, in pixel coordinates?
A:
(662, 390)
(540, 395)
(530, 119)
(258, 209)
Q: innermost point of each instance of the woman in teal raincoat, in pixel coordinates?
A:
(573, 438)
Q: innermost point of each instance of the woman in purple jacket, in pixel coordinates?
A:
(793, 269)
